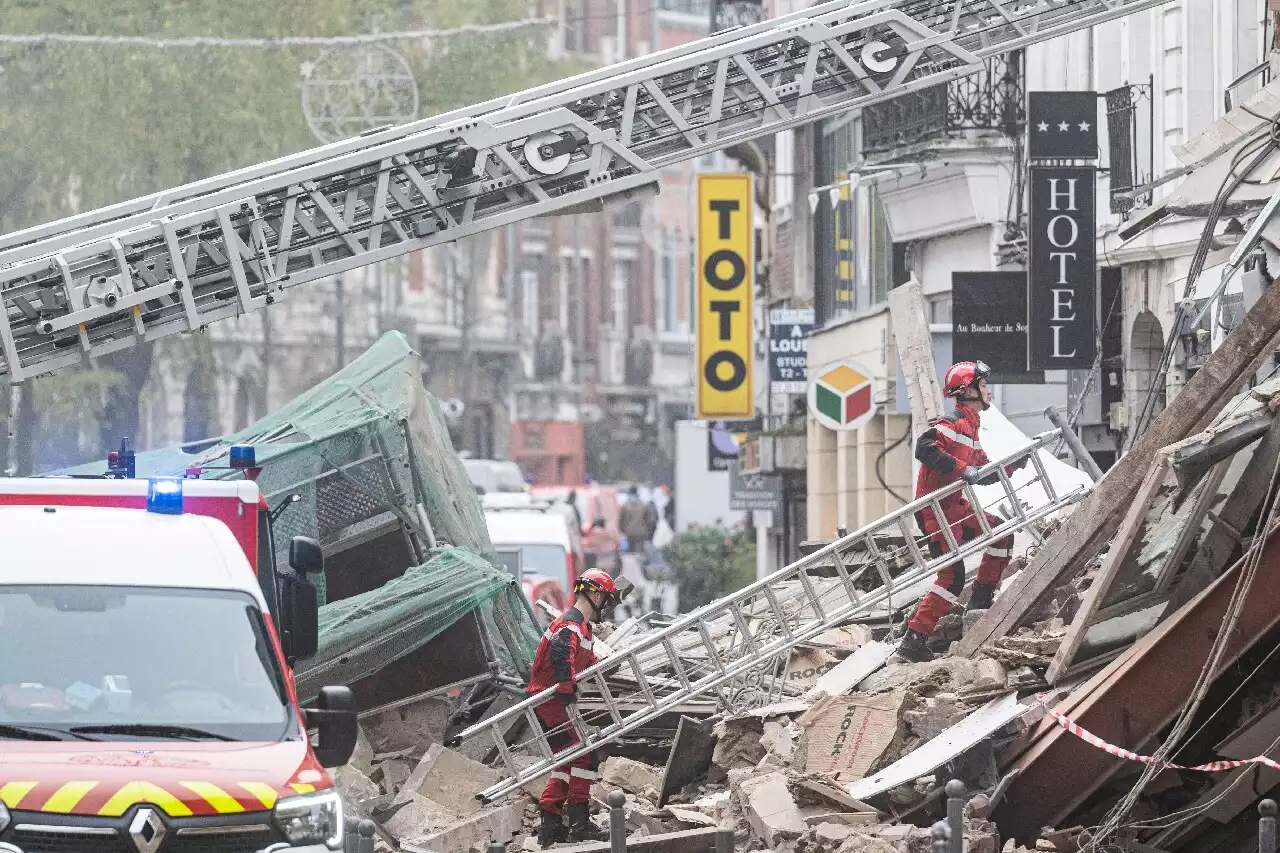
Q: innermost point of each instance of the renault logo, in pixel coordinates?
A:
(147, 831)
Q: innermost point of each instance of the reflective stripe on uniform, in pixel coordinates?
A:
(998, 552)
(563, 777)
(583, 774)
(943, 593)
(958, 438)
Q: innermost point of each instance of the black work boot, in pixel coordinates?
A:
(913, 647)
(580, 826)
(982, 596)
(551, 830)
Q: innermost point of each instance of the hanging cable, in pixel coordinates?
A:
(883, 454)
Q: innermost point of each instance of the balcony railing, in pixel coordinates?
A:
(992, 99)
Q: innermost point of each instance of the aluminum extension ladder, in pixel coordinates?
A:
(764, 620)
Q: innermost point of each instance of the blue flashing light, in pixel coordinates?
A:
(164, 496)
(243, 456)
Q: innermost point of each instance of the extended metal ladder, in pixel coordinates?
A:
(750, 629)
(176, 261)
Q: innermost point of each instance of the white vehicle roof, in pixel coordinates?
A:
(532, 527)
(121, 547)
(245, 490)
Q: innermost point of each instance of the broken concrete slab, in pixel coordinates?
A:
(499, 824)
(770, 808)
(970, 731)
(353, 786)
(779, 741)
(846, 637)
(935, 714)
(632, 776)
(411, 726)
(362, 757)
(690, 756)
(392, 774)
(450, 779)
(685, 841)
(847, 818)
(846, 735)
(738, 743)
(847, 674)
(415, 816)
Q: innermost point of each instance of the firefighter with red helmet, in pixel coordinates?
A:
(566, 650)
(949, 451)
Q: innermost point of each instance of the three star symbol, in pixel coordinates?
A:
(1063, 126)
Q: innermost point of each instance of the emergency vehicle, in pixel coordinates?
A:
(147, 703)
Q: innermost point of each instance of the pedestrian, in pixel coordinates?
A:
(949, 451)
(572, 500)
(566, 650)
(638, 520)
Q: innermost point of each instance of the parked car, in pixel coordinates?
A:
(598, 507)
(540, 544)
(492, 475)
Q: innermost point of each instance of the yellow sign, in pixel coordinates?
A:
(726, 281)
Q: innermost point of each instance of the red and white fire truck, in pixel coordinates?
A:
(147, 701)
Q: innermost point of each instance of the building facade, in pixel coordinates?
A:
(564, 343)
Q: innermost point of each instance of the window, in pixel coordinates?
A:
(624, 279)
(529, 299)
(833, 268)
(670, 284)
(686, 7)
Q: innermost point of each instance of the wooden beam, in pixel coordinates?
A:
(915, 350)
(1096, 518)
(1117, 556)
(1204, 496)
(1222, 538)
(1132, 699)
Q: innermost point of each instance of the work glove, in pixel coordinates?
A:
(569, 695)
(970, 475)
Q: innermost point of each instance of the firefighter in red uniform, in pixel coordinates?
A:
(949, 451)
(566, 650)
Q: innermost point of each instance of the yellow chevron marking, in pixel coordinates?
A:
(144, 792)
(66, 797)
(222, 802)
(11, 793)
(265, 793)
(302, 787)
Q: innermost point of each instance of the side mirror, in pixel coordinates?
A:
(301, 606)
(335, 717)
(305, 556)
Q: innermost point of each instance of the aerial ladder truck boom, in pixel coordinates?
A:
(230, 245)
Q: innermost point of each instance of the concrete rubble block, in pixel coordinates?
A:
(392, 774)
(859, 842)
(738, 743)
(844, 736)
(353, 786)
(698, 840)
(935, 714)
(363, 755)
(770, 809)
(416, 817)
(499, 824)
(832, 834)
(862, 819)
(990, 675)
(779, 740)
(450, 779)
(413, 726)
(846, 637)
(633, 776)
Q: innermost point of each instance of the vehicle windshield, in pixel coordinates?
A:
(134, 663)
(548, 560)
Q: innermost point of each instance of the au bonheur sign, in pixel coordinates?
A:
(1062, 279)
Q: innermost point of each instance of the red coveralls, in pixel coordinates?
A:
(946, 448)
(565, 650)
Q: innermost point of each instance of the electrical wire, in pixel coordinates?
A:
(268, 42)
(880, 461)
(1222, 639)
(1230, 183)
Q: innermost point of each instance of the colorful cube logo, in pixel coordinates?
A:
(840, 395)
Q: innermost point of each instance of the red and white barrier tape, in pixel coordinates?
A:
(1111, 749)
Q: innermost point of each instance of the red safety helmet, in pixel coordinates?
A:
(596, 580)
(961, 375)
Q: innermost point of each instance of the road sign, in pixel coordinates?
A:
(789, 330)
